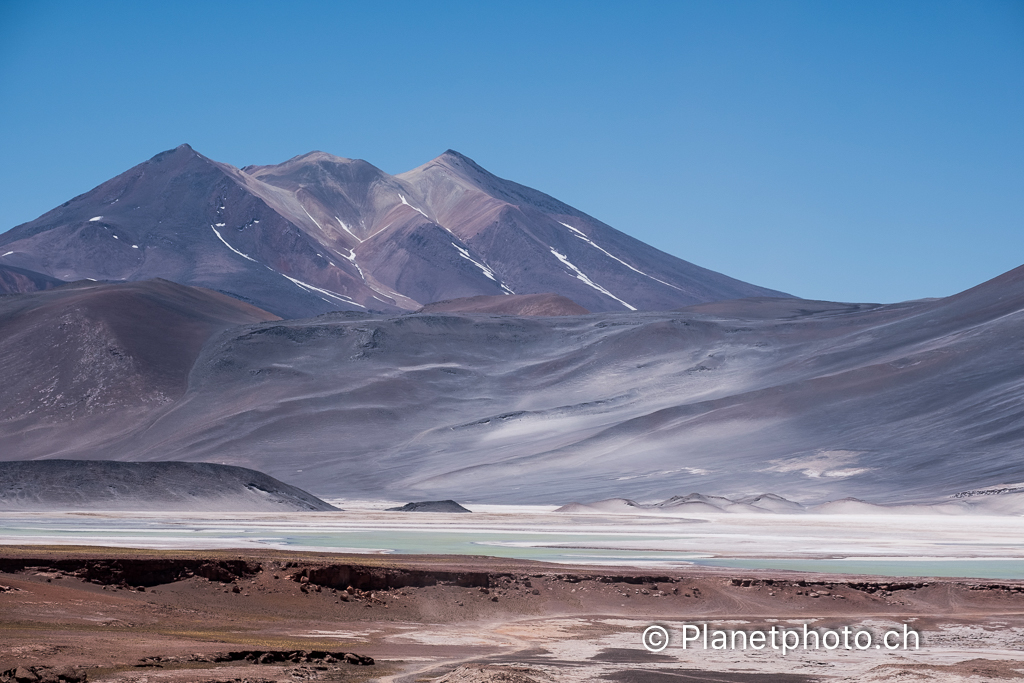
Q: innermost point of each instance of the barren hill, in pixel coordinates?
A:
(91, 360)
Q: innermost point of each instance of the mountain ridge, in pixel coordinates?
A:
(320, 232)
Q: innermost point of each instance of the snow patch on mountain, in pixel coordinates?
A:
(404, 201)
(310, 288)
(221, 238)
(580, 275)
(610, 255)
(352, 259)
(313, 219)
(299, 283)
(347, 229)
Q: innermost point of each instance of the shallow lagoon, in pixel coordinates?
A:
(985, 548)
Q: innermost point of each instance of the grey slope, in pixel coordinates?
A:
(319, 233)
(154, 486)
(811, 400)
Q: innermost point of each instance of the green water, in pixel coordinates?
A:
(513, 544)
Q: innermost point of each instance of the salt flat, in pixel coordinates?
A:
(894, 545)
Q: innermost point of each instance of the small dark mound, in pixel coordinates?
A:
(431, 506)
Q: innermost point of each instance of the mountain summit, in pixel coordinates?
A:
(319, 233)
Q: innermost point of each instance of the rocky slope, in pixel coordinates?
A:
(89, 361)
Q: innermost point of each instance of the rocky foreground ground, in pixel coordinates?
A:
(77, 614)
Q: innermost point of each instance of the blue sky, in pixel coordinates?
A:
(854, 151)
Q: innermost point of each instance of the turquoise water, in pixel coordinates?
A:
(547, 546)
(493, 543)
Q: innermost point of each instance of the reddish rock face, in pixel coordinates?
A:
(20, 281)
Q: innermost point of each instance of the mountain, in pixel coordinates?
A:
(158, 486)
(89, 361)
(319, 233)
(814, 401)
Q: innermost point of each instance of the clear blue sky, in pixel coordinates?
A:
(855, 151)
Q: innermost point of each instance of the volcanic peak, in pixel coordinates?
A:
(320, 232)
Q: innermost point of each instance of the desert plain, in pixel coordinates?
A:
(507, 593)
